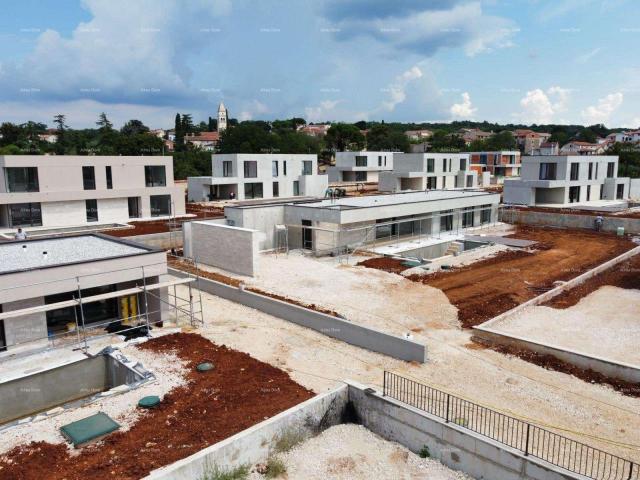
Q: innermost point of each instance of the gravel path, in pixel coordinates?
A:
(351, 452)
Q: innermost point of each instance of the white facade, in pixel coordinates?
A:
(222, 117)
(565, 179)
(68, 190)
(246, 176)
(428, 171)
(360, 166)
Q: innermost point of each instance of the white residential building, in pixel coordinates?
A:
(563, 179)
(582, 148)
(245, 176)
(360, 166)
(68, 190)
(428, 171)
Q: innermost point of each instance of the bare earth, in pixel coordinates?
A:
(605, 323)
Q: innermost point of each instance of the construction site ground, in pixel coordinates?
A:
(198, 410)
(352, 452)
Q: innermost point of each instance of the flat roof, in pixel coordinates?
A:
(396, 199)
(23, 255)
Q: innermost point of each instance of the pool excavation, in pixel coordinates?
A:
(49, 391)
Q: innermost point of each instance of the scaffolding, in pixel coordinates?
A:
(141, 317)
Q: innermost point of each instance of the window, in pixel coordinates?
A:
(22, 179)
(431, 183)
(463, 164)
(296, 188)
(444, 164)
(253, 190)
(450, 160)
(227, 168)
(307, 167)
(588, 192)
(379, 160)
(467, 219)
(109, 177)
(547, 171)
(430, 165)
(155, 176)
(361, 160)
(284, 168)
(446, 221)
(134, 207)
(276, 189)
(590, 170)
(274, 168)
(469, 181)
(610, 168)
(250, 169)
(575, 171)
(160, 205)
(444, 182)
(485, 213)
(361, 176)
(89, 178)
(91, 206)
(597, 164)
(25, 215)
(620, 191)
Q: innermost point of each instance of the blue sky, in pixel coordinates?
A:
(531, 61)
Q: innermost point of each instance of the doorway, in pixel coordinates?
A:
(307, 235)
(574, 194)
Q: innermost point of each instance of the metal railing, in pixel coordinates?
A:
(530, 439)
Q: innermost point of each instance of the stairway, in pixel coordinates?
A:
(454, 248)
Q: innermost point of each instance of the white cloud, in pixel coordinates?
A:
(601, 112)
(585, 57)
(464, 109)
(323, 112)
(255, 108)
(396, 90)
(539, 106)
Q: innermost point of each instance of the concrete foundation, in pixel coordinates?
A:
(609, 224)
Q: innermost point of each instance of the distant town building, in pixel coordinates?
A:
(207, 141)
(223, 116)
(624, 137)
(245, 176)
(312, 130)
(528, 140)
(504, 163)
(559, 180)
(547, 148)
(417, 135)
(360, 166)
(421, 147)
(470, 135)
(158, 132)
(50, 136)
(582, 148)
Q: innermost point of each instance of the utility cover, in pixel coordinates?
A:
(89, 429)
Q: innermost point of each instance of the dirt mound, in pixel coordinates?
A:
(386, 264)
(237, 394)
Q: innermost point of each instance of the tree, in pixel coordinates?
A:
(104, 123)
(629, 155)
(60, 122)
(179, 134)
(588, 135)
(9, 133)
(212, 124)
(187, 123)
(134, 127)
(383, 138)
(343, 136)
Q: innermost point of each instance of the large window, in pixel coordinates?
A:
(252, 190)
(361, 176)
(547, 171)
(91, 206)
(25, 215)
(22, 179)
(296, 188)
(134, 207)
(446, 221)
(575, 171)
(485, 213)
(467, 219)
(155, 176)
(250, 169)
(160, 205)
(307, 167)
(276, 189)
(610, 168)
(274, 168)
(431, 183)
(361, 160)
(227, 168)
(89, 178)
(430, 164)
(109, 177)
(463, 164)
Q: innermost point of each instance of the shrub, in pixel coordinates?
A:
(275, 467)
(424, 452)
(217, 473)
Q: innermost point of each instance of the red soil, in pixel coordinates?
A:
(386, 264)
(237, 394)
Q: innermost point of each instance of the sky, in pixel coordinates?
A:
(508, 61)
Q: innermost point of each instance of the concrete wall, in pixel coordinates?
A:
(164, 240)
(231, 248)
(25, 328)
(329, 325)
(610, 224)
(254, 444)
(454, 446)
(634, 188)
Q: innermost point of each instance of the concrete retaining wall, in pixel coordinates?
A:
(254, 444)
(233, 249)
(487, 332)
(454, 446)
(610, 224)
(358, 335)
